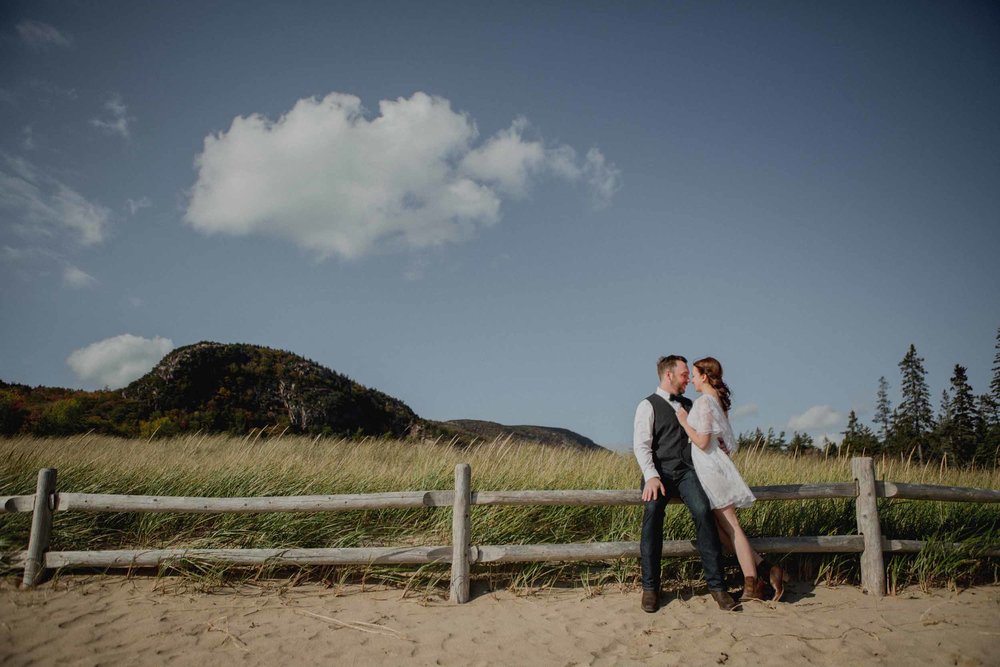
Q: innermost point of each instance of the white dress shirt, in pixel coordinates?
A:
(642, 434)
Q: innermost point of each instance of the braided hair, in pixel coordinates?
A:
(711, 367)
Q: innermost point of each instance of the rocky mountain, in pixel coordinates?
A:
(236, 387)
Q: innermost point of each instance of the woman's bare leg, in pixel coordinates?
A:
(727, 542)
(745, 554)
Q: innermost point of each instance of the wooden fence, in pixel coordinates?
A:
(865, 489)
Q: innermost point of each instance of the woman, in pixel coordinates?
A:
(712, 440)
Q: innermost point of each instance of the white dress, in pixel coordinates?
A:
(718, 475)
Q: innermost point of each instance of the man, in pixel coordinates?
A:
(664, 453)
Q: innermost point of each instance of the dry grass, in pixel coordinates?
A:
(216, 465)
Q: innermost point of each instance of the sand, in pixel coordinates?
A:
(112, 620)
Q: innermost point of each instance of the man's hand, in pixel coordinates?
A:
(653, 489)
(722, 446)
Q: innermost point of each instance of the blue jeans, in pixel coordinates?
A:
(689, 490)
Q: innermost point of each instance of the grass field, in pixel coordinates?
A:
(200, 465)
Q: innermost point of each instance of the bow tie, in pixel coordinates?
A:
(675, 397)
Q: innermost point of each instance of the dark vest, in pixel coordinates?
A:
(671, 448)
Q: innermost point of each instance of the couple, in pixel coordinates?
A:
(683, 450)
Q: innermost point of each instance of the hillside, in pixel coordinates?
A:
(236, 387)
(545, 435)
(213, 387)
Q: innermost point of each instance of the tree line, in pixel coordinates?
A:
(965, 430)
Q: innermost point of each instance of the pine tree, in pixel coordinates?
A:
(914, 419)
(992, 412)
(883, 410)
(987, 433)
(959, 429)
(801, 443)
(858, 438)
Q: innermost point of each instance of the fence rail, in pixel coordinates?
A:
(461, 554)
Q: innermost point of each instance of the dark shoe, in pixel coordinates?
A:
(724, 599)
(650, 601)
(752, 589)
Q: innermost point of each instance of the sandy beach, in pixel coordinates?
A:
(103, 620)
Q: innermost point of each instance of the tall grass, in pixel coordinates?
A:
(226, 466)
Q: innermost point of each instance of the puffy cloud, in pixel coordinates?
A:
(117, 120)
(41, 36)
(818, 417)
(604, 178)
(44, 206)
(748, 410)
(77, 278)
(114, 362)
(334, 181)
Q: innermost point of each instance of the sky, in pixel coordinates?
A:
(507, 211)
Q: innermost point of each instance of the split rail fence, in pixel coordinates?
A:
(865, 489)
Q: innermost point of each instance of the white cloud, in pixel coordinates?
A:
(748, 410)
(333, 181)
(44, 206)
(117, 121)
(77, 278)
(604, 178)
(506, 160)
(136, 205)
(818, 417)
(41, 36)
(114, 362)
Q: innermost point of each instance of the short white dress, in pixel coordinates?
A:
(718, 475)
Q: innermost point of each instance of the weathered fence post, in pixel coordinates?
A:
(41, 526)
(461, 534)
(872, 563)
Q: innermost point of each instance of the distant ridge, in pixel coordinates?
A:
(546, 435)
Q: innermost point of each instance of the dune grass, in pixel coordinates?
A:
(221, 466)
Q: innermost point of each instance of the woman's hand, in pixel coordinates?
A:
(682, 416)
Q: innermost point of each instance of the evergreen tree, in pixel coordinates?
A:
(800, 443)
(755, 438)
(858, 438)
(883, 410)
(914, 419)
(992, 407)
(987, 434)
(957, 430)
(963, 416)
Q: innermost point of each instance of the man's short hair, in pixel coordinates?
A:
(666, 363)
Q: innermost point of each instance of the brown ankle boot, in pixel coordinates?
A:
(724, 600)
(751, 589)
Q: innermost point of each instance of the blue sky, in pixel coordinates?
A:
(507, 211)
